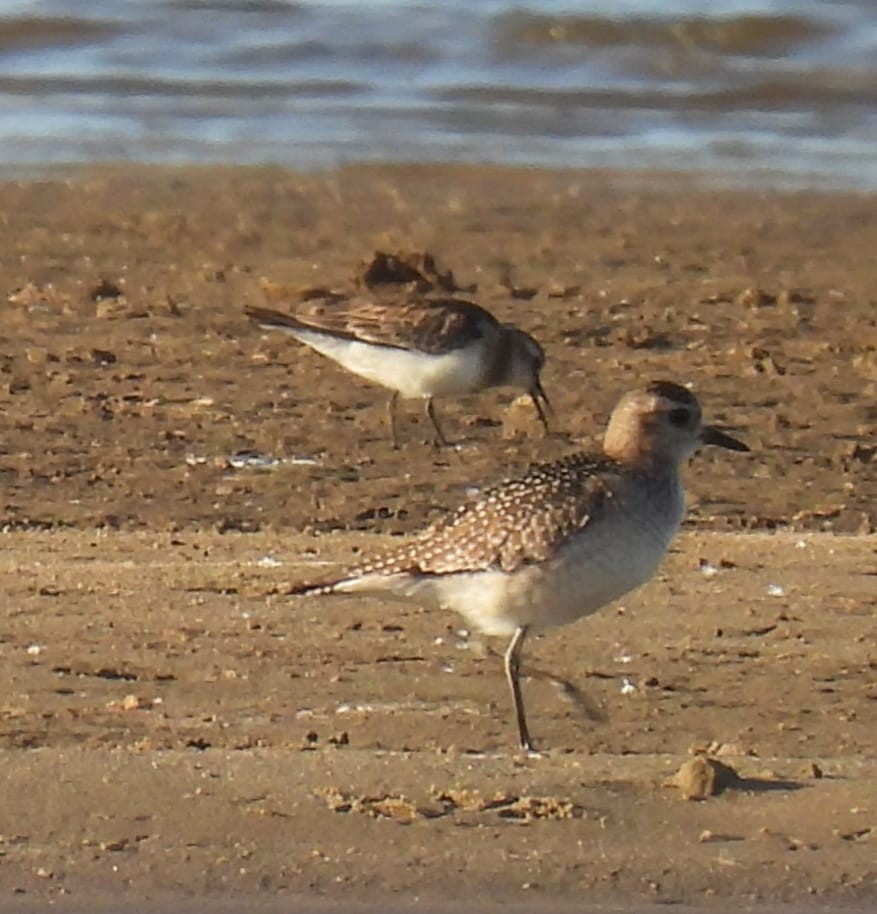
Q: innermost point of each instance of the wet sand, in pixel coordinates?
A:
(173, 727)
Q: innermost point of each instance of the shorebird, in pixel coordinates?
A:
(427, 348)
(559, 542)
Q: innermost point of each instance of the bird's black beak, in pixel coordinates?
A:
(539, 397)
(713, 435)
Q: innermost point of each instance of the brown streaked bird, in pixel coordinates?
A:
(428, 348)
(559, 542)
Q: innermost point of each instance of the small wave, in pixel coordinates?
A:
(757, 94)
(134, 86)
(26, 33)
(279, 7)
(733, 35)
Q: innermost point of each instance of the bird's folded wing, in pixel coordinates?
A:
(514, 523)
(434, 326)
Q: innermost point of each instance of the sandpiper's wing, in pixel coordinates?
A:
(434, 326)
(511, 524)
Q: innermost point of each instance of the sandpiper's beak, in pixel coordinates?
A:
(539, 397)
(712, 435)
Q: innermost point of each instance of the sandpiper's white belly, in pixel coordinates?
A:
(412, 374)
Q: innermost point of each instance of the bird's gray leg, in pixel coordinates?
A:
(543, 419)
(539, 397)
(440, 440)
(512, 669)
(391, 416)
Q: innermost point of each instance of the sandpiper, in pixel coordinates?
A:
(427, 348)
(559, 542)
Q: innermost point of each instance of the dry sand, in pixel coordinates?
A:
(172, 726)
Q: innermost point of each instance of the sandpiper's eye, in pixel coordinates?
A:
(679, 417)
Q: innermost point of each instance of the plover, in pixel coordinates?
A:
(428, 348)
(559, 542)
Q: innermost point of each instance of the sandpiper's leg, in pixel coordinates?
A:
(538, 396)
(440, 440)
(391, 416)
(512, 669)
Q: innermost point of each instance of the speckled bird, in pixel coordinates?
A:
(559, 542)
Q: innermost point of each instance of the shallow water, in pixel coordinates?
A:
(783, 92)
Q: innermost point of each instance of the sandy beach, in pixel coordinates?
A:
(173, 727)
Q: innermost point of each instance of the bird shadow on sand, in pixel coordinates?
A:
(581, 701)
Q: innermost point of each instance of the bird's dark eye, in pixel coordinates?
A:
(679, 417)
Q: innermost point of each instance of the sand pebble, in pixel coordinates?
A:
(703, 777)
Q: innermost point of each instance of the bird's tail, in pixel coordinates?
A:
(271, 319)
(341, 580)
(316, 588)
(362, 580)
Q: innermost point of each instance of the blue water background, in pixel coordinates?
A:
(783, 93)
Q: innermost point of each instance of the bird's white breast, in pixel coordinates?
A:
(411, 373)
(592, 568)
